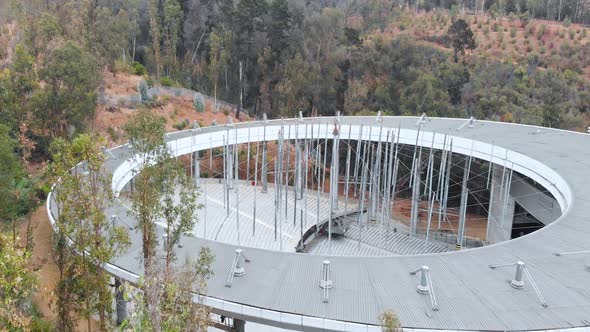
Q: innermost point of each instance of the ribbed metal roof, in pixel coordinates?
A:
(470, 295)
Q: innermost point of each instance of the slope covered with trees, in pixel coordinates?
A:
(524, 61)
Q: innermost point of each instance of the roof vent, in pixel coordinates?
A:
(421, 120)
(518, 282)
(237, 267)
(469, 123)
(425, 286)
(326, 283)
(229, 122)
(379, 119)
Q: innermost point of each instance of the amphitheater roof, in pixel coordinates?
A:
(470, 295)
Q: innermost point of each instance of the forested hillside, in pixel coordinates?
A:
(284, 56)
(73, 72)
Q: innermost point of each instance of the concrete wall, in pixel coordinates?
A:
(500, 213)
(539, 204)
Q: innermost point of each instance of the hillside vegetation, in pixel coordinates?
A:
(548, 44)
(76, 76)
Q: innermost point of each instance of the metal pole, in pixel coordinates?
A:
(394, 176)
(280, 185)
(276, 193)
(255, 188)
(333, 184)
(363, 192)
(264, 162)
(347, 183)
(415, 198)
(319, 180)
(441, 177)
(298, 166)
(369, 145)
(448, 179)
(429, 178)
(230, 164)
(387, 203)
(325, 159)
(287, 150)
(507, 193)
(492, 188)
(385, 179)
(357, 161)
(225, 183)
(248, 158)
(306, 172)
(237, 185)
(297, 174)
(205, 213)
(490, 167)
(414, 157)
(463, 208)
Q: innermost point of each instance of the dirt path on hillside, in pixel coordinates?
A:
(42, 259)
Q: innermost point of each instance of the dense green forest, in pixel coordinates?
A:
(278, 57)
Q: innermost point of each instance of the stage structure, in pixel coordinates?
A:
(322, 224)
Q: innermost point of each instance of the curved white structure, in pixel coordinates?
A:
(281, 289)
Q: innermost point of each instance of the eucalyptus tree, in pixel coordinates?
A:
(178, 206)
(86, 240)
(162, 189)
(164, 192)
(145, 132)
(68, 99)
(17, 283)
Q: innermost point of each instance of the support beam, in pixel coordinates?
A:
(197, 168)
(500, 209)
(463, 207)
(239, 325)
(264, 162)
(121, 303)
(333, 182)
(415, 197)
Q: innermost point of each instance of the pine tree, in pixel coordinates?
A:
(461, 38)
(510, 7)
(278, 28)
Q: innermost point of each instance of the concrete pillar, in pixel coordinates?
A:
(500, 218)
(197, 169)
(239, 325)
(121, 303)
